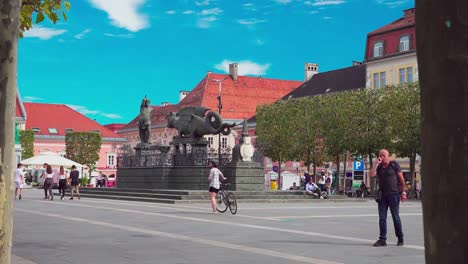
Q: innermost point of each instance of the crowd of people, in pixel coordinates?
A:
(50, 178)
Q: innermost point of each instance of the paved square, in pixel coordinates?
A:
(111, 231)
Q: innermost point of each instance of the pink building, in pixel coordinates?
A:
(50, 123)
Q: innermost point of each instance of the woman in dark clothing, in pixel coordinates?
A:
(48, 183)
(62, 182)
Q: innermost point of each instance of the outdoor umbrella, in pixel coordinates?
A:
(51, 159)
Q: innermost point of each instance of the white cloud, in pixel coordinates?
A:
(205, 22)
(170, 12)
(124, 13)
(83, 110)
(392, 3)
(82, 34)
(249, 7)
(43, 33)
(252, 21)
(188, 12)
(324, 2)
(202, 3)
(32, 99)
(244, 67)
(213, 11)
(327, 18)
(313, 12)
(259, 42)
(111, 116)
(284, 2)
(118, 35)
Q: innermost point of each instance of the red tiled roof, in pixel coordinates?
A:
(409, 19)
(61, 117)
(239, 98)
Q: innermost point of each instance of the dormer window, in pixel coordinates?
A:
(36, 129)
(378, 49)
(52, 130)
(404, 43)
(96, 131)
(68, 130)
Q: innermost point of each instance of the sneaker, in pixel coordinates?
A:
(380, 243)
(62, 198)
(51, 198)
(400, 242)
(20, 196)
(71, 198)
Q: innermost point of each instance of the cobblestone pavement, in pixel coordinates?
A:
(111, 231)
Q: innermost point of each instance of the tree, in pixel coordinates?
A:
(441, 37)
(9, 32)
(83, 147)
(405, 124)
(273, 131)
(26, 139)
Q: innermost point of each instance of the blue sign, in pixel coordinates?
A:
(275, 168)
(358, 165)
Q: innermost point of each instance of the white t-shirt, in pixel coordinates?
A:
(62, 176)
(18, 174)
(322, 180)
(214, 177)
(50, 176)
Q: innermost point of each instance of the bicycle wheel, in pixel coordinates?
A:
(232, 203)
(221, 202)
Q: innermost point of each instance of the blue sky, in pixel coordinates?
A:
(110, 54)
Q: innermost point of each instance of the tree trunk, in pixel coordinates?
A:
(345, 159)
(278, 181)
(337, 174)
(308, 159)
(442, 37)
(412, 164)
(373, 180)
(9, 10)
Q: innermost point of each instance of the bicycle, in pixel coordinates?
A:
(225, 199)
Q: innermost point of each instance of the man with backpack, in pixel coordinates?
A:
(391, 191)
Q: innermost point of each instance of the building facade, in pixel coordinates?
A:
(51, 122)
(390, 54)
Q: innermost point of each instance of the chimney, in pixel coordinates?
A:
(409, 12)
(310, 69)
(182, 95)
(165, 103)
(356, 63)
(233, 71)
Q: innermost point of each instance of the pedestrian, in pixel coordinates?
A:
(74, 182)
(321, 181)
(306, 179)
(62, 182)
(214, 186)
(48, 183)
(19, 180)
(391, 191)
(100, 180)
(312, 189)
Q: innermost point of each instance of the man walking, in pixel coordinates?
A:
(391, 190)
(75, 181)
(19, 180)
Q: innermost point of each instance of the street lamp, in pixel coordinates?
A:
(220, 107)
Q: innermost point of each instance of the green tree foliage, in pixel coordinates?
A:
(83, 147)
(27, 143)
(274, 123)
(405, 121)
(39, 9)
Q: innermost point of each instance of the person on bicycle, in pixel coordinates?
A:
(213, 179)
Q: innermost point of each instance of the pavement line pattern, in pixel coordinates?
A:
(276, 229)
(254, 250)
(174, 207)
(334, 216)
(19, 260)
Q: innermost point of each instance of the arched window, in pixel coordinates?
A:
(378, 49)
(404, 43)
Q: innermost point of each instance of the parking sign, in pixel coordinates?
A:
(358, 165)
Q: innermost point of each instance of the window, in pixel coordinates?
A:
(379, 80)
(404, 43)
(110, 160)
(223, 142)
(96, 131)
(68, 130)
(406, 75)
(376, 80)
(409, 74)
(53, 130)
(382, 80)
(402, 76)
(210, 142)
(36, 129)
(378, 49)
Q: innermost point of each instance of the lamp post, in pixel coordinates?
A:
(220, 107)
